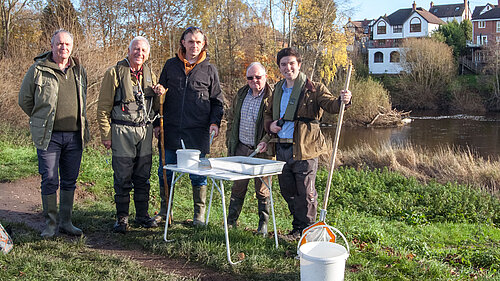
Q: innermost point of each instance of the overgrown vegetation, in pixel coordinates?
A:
(398, 226)
(429, 67)
(455, 35)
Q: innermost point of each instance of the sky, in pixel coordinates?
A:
(373, 9)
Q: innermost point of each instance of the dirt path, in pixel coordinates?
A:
(20, 202)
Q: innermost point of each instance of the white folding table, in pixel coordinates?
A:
(218, 175)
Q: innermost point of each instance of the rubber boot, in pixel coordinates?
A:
(65, 212)
(199, 199)
(235, 206)
(49, 205)
(263, 208)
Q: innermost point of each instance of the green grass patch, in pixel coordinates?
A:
(397, 228)
(35, 259)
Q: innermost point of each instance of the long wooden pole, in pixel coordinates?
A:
(335, 146)
(162, 147)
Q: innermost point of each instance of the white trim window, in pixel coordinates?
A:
(394, 57)
(415, 25)
(482, 39)
(498, 26)
(481, 24)
(397, 28)
(381, 28)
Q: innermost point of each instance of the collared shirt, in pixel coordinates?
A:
(249, 113)
(286, 131)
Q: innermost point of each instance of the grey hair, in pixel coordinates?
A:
(61, 30)
(256, 63)
(139, 38)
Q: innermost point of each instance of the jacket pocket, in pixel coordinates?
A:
(38, 128)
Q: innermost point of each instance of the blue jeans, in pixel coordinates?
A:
(62, 158)
(171, 158)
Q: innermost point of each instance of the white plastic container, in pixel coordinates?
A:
(188, 158)
(322, 260)
(247, 165)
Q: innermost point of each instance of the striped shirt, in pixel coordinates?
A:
(249, 113)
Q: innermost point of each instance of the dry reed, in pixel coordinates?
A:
(445, 164)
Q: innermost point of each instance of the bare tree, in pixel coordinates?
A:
(9, 11)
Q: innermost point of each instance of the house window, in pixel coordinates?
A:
(481, 24)
(379, 57)
(482, 39)
(394, 57)
(381, 28)
(498, 26)
(397, 29)
(415, 25)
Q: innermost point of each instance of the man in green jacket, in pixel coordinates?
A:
(127, 107)
(245, 133)
(53, 94)
(294, 113)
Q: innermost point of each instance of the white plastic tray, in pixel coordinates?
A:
(246, 165)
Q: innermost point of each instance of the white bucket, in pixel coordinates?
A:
(188, 158)
(322, 261)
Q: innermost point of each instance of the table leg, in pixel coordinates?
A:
(226, 232)
(269, 186)
(169, 206)
(210, 201)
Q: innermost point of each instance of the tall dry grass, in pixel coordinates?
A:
(445, 164)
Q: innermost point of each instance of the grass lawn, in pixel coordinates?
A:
(398, 229)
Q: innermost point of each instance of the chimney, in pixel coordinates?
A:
(467, 15)
(414, 6)
(432, 4)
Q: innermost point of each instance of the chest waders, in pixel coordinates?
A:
(132, 135)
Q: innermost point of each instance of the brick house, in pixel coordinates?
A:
(486, 24)
(362, 31)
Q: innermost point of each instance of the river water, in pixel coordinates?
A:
(480, 133)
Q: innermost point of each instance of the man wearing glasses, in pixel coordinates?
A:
(192, 111)
(246, 133)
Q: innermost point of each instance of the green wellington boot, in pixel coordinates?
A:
(235, 206)
(65, 213)
(199, 199)
(263, 208)
(49, 205)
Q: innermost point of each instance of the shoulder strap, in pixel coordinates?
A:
(293, 102)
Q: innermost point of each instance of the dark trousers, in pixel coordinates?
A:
(297, 186)
(240, 187)
(132, 161)
(61, 160)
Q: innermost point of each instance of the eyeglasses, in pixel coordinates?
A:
(253, 77)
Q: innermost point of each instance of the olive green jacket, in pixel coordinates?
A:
(106, 107)
(308, 141)
(233, 125)
(38, 99)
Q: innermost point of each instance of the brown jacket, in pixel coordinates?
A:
(308, 141)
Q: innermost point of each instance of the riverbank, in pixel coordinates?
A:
(398, 227)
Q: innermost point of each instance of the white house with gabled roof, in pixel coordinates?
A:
(384, 52)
